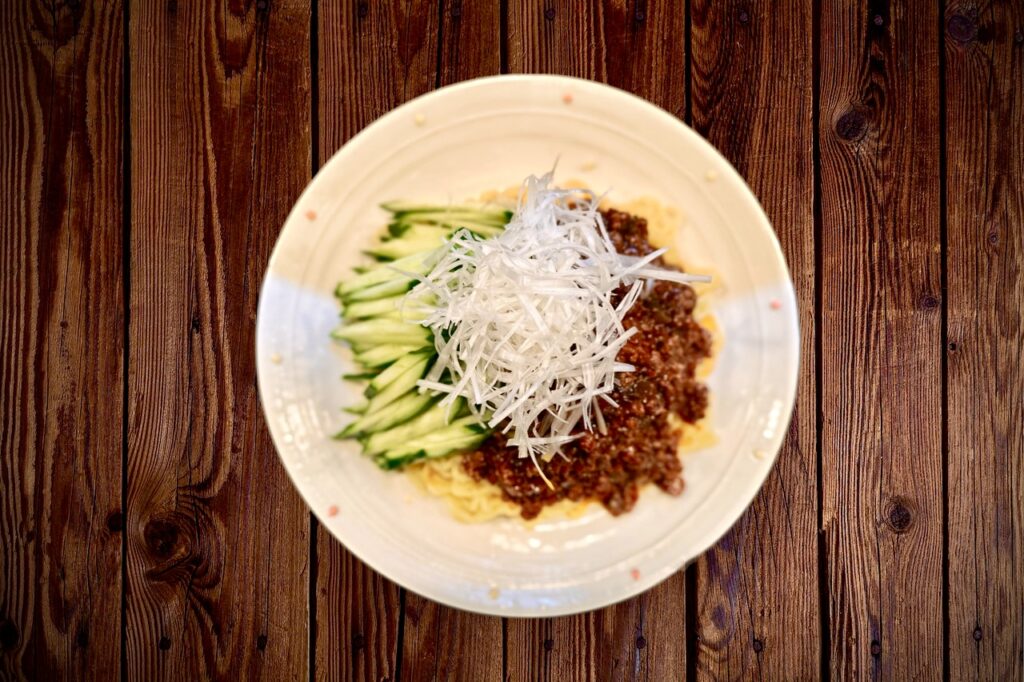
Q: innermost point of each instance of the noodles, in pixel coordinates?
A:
(476, 501)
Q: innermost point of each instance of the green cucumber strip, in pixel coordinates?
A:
(399, 367)
(402, 248)
(403, 409)
(401, 456)
(481, 229)
(395, 287)
(426, 232)
(390, 332)
(381, 356)
(356, 409)
(434, 419)
(376, 308)
(406, 207)
(402, 384)
(419, 264)
(442, 215)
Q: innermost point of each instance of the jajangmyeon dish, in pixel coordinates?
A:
(528, 356)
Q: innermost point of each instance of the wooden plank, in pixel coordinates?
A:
(984, 48)
(372, 57)
(636, 46)
(639, 47)
(442, 643)
(61, 339)
(640, 639)
(881, 359)
(752, 88)
(218, 538)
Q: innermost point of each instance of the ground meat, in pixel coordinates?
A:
(641, 444)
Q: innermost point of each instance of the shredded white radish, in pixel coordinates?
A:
(524, 323)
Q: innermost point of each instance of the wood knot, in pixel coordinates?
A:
(928, 302)
(962, 28)
(82, 638)
(640, 16)
(261, 642)
(63, 324)
(549, 644)
(951, 346)
(362, 10)
(195, 325)
(899, 516)
(549, 13)
(457, 11)
(993, 238)
(852, 126)
(641, 642)
(358, 642)
(743, 16)
(1018, 36)
(262, 5)
(8, 635)
(876, 648)
(977, 634)
(115, 521)
(758, 645)
(879, 20)
(164, 643)
(161, 537)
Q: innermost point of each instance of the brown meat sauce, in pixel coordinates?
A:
(641, 443)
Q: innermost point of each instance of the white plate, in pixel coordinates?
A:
(453, 144)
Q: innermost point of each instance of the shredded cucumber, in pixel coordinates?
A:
(399, 423)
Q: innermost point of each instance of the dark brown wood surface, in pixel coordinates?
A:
(984, 190)
(61, 339)
(217, 585)
(151, 152)
(881, 338)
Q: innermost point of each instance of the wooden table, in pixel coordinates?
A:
(150, 152)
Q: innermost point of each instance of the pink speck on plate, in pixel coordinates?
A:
(332, 510)
(635, 574)
(567, 98)
(310, 215)
(776, 304)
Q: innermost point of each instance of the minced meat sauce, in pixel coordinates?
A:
(640, 445)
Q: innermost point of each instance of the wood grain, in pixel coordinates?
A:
(441, 643)
(752, 97)
(640, 47)
(636, 46)
(984, 70)
(61, 340)
(471, 39)
(640, 639)
(882, 467)
(217, 537)
(372, 57)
